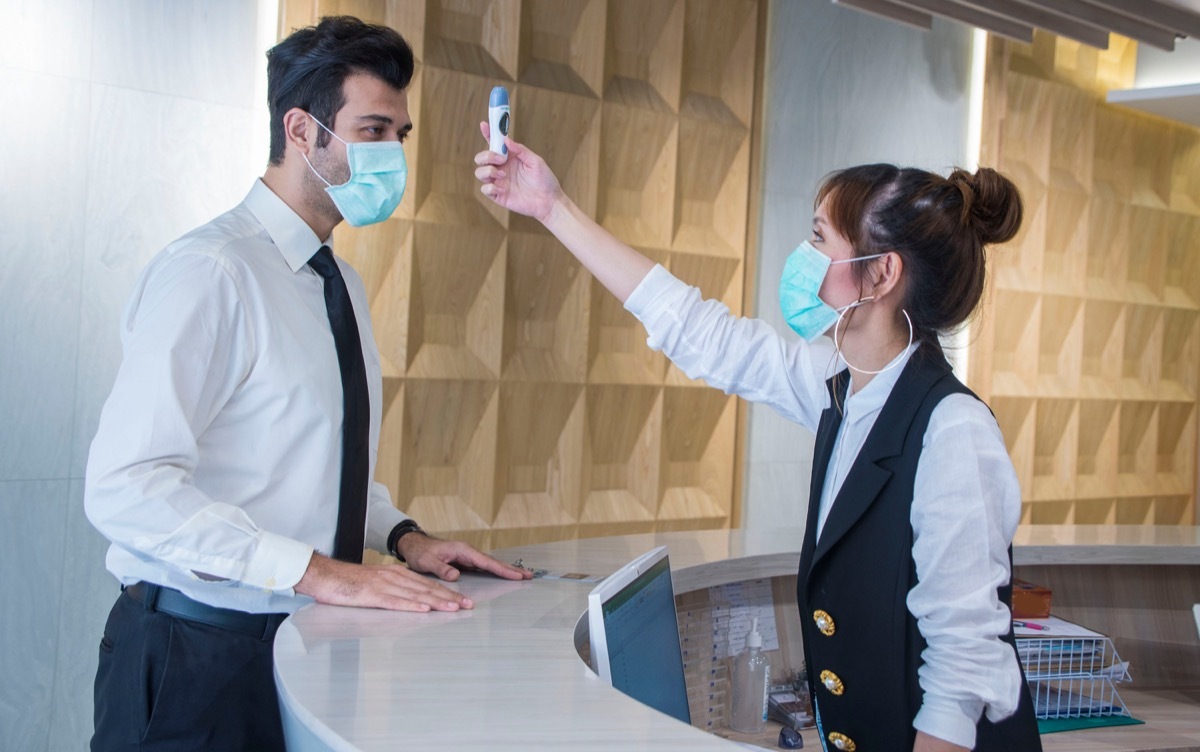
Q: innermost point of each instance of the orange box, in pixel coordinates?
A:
(1030, 601)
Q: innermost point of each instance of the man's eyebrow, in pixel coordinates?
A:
(384, 120)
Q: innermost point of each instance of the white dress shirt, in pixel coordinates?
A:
(966, 499)
(217, 463)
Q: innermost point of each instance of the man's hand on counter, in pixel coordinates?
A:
(425, 553)
(340, 583)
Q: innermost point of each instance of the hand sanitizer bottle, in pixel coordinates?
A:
(751, 672)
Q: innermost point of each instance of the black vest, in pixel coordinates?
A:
(861, 571)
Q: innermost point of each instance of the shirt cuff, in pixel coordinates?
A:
(278, 563)
(954, 721)
(641, 302)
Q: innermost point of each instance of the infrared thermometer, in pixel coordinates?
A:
(498, 120)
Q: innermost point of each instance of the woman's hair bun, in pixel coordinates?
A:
(991, 203)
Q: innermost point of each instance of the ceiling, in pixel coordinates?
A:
(1157, 24)
(1154, 22)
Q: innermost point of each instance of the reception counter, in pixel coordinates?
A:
(507, 675)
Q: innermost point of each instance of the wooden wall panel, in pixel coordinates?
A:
(521, 402)
(1089, 348)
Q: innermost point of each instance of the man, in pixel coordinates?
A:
(232, 465)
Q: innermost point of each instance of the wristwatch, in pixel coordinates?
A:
(399, 531)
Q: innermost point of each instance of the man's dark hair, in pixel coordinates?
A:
(307, 70)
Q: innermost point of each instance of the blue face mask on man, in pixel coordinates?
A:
(803, 309)
(378, 174)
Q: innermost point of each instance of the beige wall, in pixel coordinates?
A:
(522, 404)
(1089, 351)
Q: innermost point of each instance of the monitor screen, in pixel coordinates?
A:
(634, 634)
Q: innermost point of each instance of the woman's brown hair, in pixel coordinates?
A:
(938, 225)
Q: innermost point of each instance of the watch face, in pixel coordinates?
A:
(504, 124)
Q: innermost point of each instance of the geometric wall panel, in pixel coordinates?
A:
(521, 403)
(1089, 344)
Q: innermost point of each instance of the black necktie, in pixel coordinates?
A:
(356, 410)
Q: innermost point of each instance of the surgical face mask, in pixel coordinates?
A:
(803, 274)
(378, 173)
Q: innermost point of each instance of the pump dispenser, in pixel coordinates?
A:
(751, 674)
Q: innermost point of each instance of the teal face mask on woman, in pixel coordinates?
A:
(378, 173)
(803, 309)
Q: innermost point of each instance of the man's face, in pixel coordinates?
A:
(373, 112)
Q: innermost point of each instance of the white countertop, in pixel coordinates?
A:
(506, 675)
(1106, 544)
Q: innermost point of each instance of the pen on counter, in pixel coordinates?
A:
(1030, 625)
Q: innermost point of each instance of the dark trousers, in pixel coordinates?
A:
(167, 685)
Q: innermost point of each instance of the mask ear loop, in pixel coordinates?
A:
(314, 170)
(837, 345)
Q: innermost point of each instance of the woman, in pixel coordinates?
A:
(904, 580)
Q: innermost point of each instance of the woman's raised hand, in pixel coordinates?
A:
(520, 182)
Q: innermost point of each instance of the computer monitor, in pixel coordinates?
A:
(634, 634)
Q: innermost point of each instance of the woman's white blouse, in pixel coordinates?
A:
(966, 501)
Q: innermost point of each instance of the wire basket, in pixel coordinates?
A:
(1073, 677)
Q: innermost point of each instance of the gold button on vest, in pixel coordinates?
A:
(824, 622)
(842, 742)
(832, 683)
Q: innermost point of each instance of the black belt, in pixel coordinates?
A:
(175, 603)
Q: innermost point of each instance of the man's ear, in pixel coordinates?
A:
(299, 131)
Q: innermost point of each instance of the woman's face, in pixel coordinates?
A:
(840, 287)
